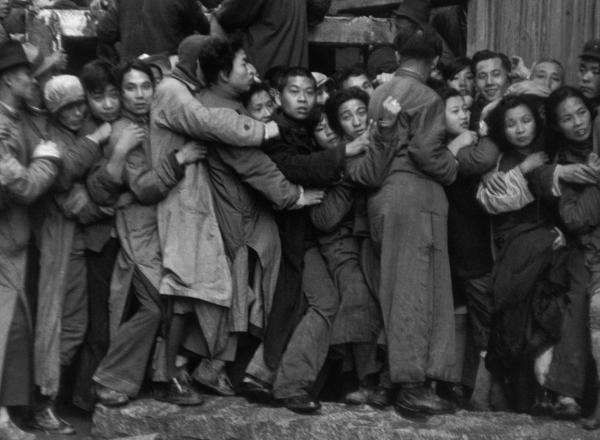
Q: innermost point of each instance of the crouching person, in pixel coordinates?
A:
(23, 178)
(126, 180)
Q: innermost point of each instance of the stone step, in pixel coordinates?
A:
(233, 418)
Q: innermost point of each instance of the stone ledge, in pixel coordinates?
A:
(234, 419)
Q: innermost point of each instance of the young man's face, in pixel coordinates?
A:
(589, 78)
(20, 82)
(491, 79)
(242, 73)
(5, 6)
(360, 81)
(105, 106)
(298, 97)
(137, 92)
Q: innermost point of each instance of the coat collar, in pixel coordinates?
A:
(187, 79)
(407, 72)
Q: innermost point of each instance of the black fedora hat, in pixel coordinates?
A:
(12, 55)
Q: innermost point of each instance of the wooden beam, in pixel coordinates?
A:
(361, 6)
(54, 24)
(353, 31)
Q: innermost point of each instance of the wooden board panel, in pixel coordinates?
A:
(353, 31)
(356, 31)
(361, 5)
(534, 29)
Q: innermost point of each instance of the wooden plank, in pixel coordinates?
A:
(338, 6)
(353, 31)
(348, 31)
(534, 29)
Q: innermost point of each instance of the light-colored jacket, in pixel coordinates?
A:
(15, 229)
(193, 251)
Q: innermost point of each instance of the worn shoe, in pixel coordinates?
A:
(216, 379)
(380, 397)
(303, 404)
(109, 397)
(422, 400)
(45, 419)
(10, 431)
(359, 396)
(566, 409)
(453, 392)
(255, 392)
(178, 392)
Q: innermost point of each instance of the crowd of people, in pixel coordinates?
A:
(428, 239)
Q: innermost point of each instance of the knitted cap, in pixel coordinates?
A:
(61, 91)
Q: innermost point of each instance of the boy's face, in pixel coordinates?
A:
(105, 106)
(242, 73)
(360, 81)
(298, 97)
(589, 78)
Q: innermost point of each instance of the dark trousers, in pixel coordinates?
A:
(307, 349)
(124, 366)
(16, 377)
(99, 271)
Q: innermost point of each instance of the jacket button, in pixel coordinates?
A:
(246, 127)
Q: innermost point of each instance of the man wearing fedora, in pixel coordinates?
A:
(24, 176)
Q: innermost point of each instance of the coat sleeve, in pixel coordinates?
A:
(151, 185)
(515, 197)
(478, 159)
(102, 187)
(108, 31)
(76, 161)
(580, 208)
(426, 147)
(337, 203)
(371, 169)
(543, 182)
(234, 14)
(184, 114)
(258, 170)
(32, 181)
(316, 169)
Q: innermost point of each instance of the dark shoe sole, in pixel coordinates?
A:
(197, 402)
(423, 411)
(304, 411)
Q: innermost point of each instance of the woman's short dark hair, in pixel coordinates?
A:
(556, 98)
(335, 102)
(454, 66)
(134, 64)
(448, 92)
(496, 120)
(97, 75)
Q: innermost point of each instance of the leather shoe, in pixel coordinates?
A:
(216, 379)
(45, 419)
(303, 404)
(421, 399)
(380, 397)
(590, 424)
(8, 430)
(566, 409)
(178, 392)
(255, 392)
(109, 397)
(358, 397)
